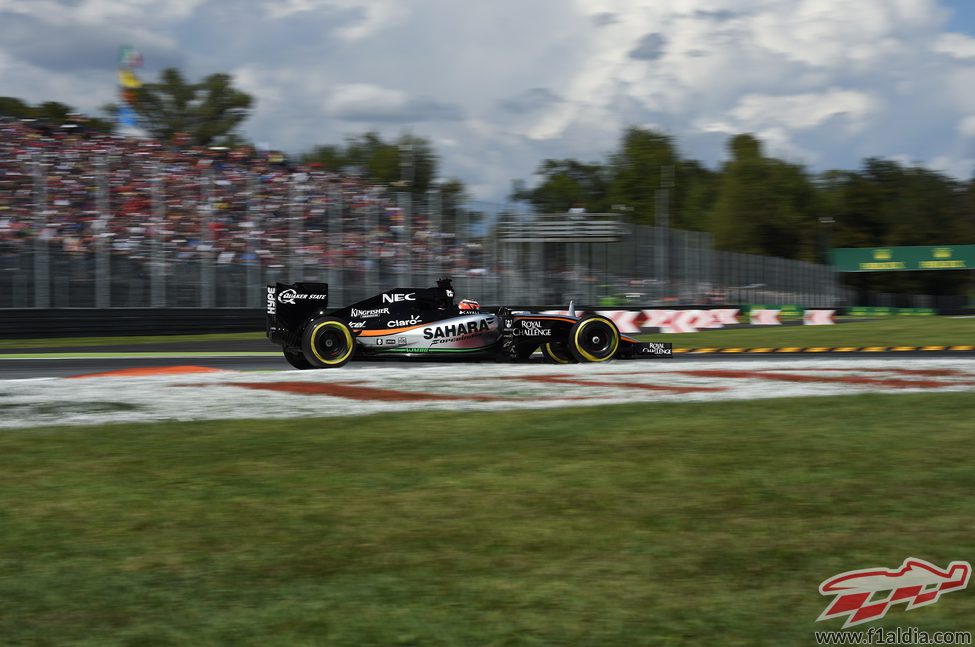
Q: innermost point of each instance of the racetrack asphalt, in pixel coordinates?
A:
(251, 357)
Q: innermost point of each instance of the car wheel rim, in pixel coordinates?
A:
(599, 340)
(330, 344)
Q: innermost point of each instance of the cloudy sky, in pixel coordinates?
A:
(498, 86)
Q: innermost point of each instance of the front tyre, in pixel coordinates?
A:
(327, 343)
(557, 353)
(594, 339)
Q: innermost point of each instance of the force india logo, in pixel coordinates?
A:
(456, 330)
(289, 296)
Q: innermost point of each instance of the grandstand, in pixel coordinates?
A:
(95, 220)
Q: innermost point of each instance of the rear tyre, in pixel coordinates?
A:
(327, 343)
(557, 353)
(296, 358)
(594, 339)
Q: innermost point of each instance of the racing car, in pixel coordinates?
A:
(420, 322)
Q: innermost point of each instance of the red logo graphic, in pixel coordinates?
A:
(916, 582)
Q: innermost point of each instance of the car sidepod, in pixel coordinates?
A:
(465, 334)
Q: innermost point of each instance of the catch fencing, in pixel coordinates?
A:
(482, 268)
(121, 231)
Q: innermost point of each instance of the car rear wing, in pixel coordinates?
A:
(289, 306)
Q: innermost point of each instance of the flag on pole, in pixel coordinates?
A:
(129, 57)
(126, 116)
(128, 84)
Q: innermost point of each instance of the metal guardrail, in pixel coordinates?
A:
(84, 322)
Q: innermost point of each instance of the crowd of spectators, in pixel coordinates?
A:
(81, 191)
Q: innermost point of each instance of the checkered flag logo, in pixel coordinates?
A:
(867, 594)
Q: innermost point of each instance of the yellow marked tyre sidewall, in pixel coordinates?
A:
(313, 346)
(551, 356)
(587, 356)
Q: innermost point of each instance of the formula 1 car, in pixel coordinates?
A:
(418, 322)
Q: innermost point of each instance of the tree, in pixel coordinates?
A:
(764, 206)
(567, 183)
(209, 111)
(13, 107)
(644, 159)
(408, 163)
(631, 176)
(885, 203)
(52, 113)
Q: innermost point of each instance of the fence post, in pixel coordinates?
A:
(103, 288)
(374, 258)
(158, 263)
(335, 212)
(42, 260)
(252, 298)
(294, 213)
(205, 246)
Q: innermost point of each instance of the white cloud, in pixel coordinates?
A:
(804, 111)
(824, 82)
(362, 102)
(955, 45)
(373, 15)
(967, 126)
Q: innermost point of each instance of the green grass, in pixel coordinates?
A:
(155, 340)
(894, 331)
(657, 524)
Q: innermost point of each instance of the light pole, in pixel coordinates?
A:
(827, 238)
(663, 225)
(406, 181)
(625, 212)
(435, 223)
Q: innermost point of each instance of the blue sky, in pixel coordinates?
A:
(499, 86)
(962, 15)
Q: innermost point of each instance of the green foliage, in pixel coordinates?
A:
(761, 205)
(887, 203)
(407, 164)
(53, 113)
(568, 184)
(207, 112)
(13, 107)
(630, 178)
(764, 206)
(644, 162)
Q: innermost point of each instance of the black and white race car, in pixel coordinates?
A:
(419, 322)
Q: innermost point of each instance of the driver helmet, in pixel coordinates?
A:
(468, 305)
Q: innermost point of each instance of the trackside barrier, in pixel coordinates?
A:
(693, 320)
(87, 322)
(764, 317)
(818, 318)
(880, 311)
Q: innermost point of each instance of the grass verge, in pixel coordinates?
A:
(657, 524)
(904, 331)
